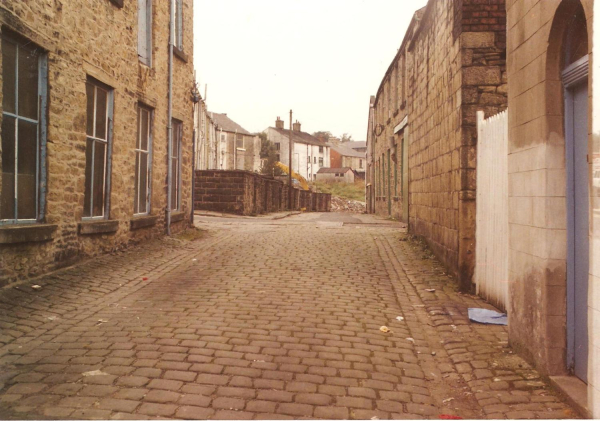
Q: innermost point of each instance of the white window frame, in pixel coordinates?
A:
(108, 157)
(139, 152)
(41, 132)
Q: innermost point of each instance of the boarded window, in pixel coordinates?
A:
(179, 24)
(145, 31)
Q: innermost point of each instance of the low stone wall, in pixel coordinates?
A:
(248, 193)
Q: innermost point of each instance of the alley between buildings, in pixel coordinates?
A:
(261, 318)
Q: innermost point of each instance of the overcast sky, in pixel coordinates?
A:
(321, 58)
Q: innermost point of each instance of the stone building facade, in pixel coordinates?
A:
(423, 139)
(236, 148)
(309, 153)
(554, 180)
(85, 126)
(344, 156)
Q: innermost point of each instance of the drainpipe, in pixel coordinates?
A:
(197, 108)
(170, 114)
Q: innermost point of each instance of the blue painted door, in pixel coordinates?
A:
(578, 225)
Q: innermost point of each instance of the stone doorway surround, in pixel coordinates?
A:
(537, 193)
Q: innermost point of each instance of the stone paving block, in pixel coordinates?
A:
(194, 413)
(157, 409)
(248, 331)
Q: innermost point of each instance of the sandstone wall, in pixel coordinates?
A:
(450, 64)
(247, 193)
(98, 39)
(537, 183)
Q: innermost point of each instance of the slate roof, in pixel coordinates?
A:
(301, 137)
(356, 144)
(334, 170)
(227, 124)
(343, 150)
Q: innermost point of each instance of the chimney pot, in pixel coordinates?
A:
(279, 123)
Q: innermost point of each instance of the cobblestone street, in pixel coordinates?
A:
(259, 319)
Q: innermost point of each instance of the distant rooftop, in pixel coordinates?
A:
(344, 150)
(334, 170)
(301, 137)
(356, 144)
(227, 124)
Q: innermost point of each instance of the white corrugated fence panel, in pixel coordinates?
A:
(491, 235)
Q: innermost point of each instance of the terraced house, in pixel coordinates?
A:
(96, 128)
(422, 139)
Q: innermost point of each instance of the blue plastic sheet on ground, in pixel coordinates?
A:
(488, 317)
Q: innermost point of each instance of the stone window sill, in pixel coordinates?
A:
(177, 216)
(13, 234)
(98, 227)
(180, 54)
(143, 221)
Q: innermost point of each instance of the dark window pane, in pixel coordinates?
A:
(7, 194)
(136, 208)
(8, 144)
(88, 178)
(145, 129)
(577, 38)
(9, 80)
(138, 141)
(28, 83)
(27, 147)
(99, 177)
(143, 182)
(27, 169)
(89, 92)
(101, 109)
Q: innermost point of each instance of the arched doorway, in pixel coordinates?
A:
(575, 68)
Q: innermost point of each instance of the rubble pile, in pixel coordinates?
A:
(339, 204)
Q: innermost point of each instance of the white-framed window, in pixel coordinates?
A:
(145, 31)
(176, 165)
(179, 24)
(23, 144)
(277, 146)
(320, 149)
(239, 141)
(98, 149)
(314, 159)
(143, 162)
(320, 162)
(308, 159)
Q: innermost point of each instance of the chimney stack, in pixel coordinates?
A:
(279, 123)
(296, 127)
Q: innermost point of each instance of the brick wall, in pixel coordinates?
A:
(99, 40)
(248, 193)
